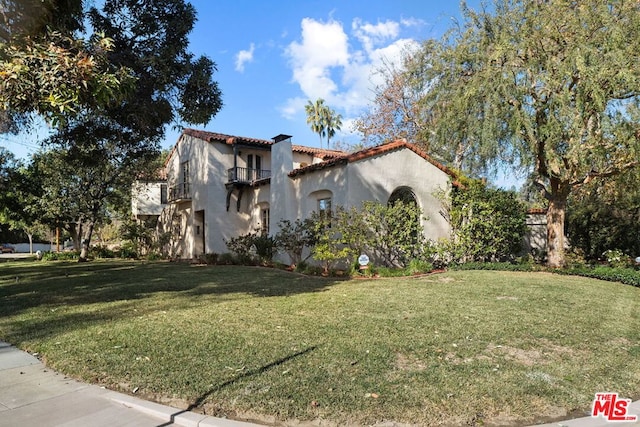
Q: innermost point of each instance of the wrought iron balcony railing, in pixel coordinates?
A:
(246, 175)
(180, 192)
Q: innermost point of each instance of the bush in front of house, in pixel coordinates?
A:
(252, 248)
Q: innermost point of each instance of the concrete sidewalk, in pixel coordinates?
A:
(32, 395)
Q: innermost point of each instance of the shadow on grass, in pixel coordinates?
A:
(201, 399)
(27, 285)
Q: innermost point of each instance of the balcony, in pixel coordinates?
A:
(180, 193)
(246, 175)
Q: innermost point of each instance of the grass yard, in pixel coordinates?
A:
(458, 348)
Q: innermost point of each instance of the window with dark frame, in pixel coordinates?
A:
(264, 217)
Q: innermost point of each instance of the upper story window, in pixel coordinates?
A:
(163, 194)
(184, 172)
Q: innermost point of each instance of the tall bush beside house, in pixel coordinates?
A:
(391, 234)
(294, 238)
(141, 239)
(488, 224)
(395, 232)
(330, 246)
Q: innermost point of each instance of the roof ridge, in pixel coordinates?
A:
(371, 152)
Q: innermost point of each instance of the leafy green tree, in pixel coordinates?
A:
(546, 86)
(329, 246)
(488, 224)
(606, 217)
(21, 190)
(103, 148)
(47, 69)
(294, 238)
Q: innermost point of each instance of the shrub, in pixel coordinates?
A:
(127, 251)
(329, 247)
(617, 259)
(210, 258)
(61, 256)
(100, 251)
(265, 247)
(294, 238)
(628, 276)
(488, 224)
(243, 248)
(226, 259)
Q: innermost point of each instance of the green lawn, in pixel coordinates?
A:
(459, 348)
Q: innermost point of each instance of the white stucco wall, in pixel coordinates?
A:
(375, 179)
(146, 198)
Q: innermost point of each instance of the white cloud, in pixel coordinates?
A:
(292, 106)
(323, 47)
(372, 35)
(243, 57)
(327, 63)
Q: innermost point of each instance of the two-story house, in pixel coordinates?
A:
(222, 186)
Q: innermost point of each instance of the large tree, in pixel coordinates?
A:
(49, 67)
(111, 145)
(99, 149)
(549, 86)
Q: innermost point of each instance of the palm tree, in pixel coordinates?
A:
(333, 122)
(316, 116)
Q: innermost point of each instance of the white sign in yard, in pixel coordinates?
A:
(363, 260)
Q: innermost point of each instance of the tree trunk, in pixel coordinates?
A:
(555, 231)
(30, 236)
(86, 241)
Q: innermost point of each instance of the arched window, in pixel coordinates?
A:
(404, 195)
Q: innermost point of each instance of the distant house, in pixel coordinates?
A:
(222, 186)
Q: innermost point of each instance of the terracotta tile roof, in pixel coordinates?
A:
(371, 152)
(232, 139)
(226, 139)
(318, 152)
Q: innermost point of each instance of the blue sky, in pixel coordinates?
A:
(272, 57)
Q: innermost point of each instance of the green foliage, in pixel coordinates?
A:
(395, 233)
(323, 120)
(294, 238)
(330, 246)
(252, 247)
(549, 87)
(628, 276)
(243, 248)
(143, 239)
(391, 235)
(101, 252)
(265, 247)
(617, 259)
(606, 216)
(488, 224)
(494, 266)
(226, 258)
(61, 256)
(210, 258)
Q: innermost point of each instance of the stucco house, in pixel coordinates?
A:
(222, 186)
